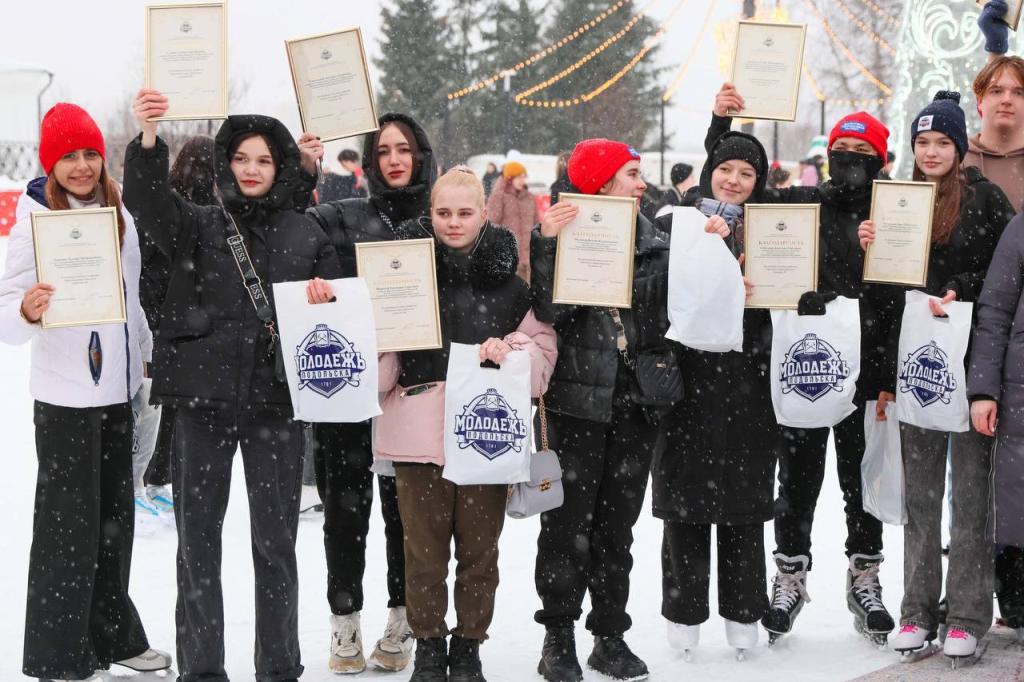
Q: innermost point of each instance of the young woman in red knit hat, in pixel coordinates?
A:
(79, 616)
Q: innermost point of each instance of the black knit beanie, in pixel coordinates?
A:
(680, 172)
(741, 148)
(945, 116)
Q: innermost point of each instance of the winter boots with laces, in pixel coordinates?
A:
(558, 662)
(864, 599)
(464, 660)
(613, 657)
(431, 663)
(394, 650)
(789, 592)
(346, 645)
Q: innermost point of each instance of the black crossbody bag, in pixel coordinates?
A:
(658, 378)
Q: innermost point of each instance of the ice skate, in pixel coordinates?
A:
(346, 645)
(394, 650)
(959, 646)
(149, 660)
(913, 643)
(310, 504)
(789, 592)
(613, 657)
(741, 636)
(864, 599)
(683, 638)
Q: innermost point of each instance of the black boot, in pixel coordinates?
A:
(431, 663)
(611, 656)
(558, 662)
(464, 661)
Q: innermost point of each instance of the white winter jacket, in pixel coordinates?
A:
(60, 357)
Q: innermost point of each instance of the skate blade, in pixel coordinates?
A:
(915, 655)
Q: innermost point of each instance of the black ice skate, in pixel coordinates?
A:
(864, 599)
(789, 592)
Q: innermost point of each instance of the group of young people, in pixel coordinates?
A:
(200, 249)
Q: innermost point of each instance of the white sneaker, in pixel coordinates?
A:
(310, 503)
(161, 497)
(147, 516)
(346, 645)
(910, 638)
(148, 661)
(959, 643)
(741, 636)
(394, 649)
(683, 637)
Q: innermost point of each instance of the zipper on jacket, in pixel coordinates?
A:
(416, 390)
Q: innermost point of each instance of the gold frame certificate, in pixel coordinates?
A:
(79, 253)
(595, 252)
(902, 213)
(1012, 18)
(187, 59)
(402, 279)
(766, 69)
(332, 84)
(780, 247)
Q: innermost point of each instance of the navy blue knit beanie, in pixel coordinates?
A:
(945, 116)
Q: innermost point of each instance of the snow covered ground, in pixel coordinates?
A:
(823, 648)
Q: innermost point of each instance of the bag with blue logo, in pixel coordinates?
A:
(931, 381)
(705, 287)
(815, 364)
(487, 415)
(330, 352)
(883, 488)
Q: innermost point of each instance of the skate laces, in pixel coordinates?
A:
(788, 588)
(397, 631)
(956, 633)
(868, 590)
(910, 629)
(344, 638)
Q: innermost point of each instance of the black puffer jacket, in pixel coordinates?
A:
(587, 374)
(211, 349)
(479, 294)
(377, 218)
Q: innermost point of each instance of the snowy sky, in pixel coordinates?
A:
(95, 50)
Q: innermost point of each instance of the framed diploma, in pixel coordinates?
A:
(1012, 17)
(332, 84)
(902, 213)
(187, 59)
(780, 247)
(766, 69)
(402, 279)
(594, 258)
(79, 253)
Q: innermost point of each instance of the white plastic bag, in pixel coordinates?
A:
(931, 381)
(815, 364)
(330, 352)
(883, 489)
(705, 287)
(486, 418)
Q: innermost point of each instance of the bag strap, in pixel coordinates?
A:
(250, 280)
(543, 413)
(620, 337)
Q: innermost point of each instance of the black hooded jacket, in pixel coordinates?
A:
(211, 349)
(377, 218)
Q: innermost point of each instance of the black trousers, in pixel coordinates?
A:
(801, 473)
(686, 572)
(585, 543)
(159, 470)
(205, 442)
(79, 616)
(343, 457)
(1010, 584)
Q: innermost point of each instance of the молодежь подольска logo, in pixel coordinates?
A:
(327, 362)
(926, 375)
(812, 368)
(489, 425)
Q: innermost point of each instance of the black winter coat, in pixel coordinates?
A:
(378, 217)
(586, 378)
(479, 294)
(211, 349)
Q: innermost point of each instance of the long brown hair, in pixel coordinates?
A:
(57, 197)
(949, 194)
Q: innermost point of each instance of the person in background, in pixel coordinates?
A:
(682, 179)
(347, 185)
(490, 178)
(886, 172)
(561, 183)
(512, 205)
(779, 177)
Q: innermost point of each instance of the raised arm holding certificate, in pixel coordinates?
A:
(902, 214)
(1012, 18)
(402, 279)
(594, 259)
(766, 68)
(79, 253)
(187, 59)
(780, 246)
(332, 84)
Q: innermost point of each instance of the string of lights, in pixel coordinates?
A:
(540, 54)
(888, 18)
(856, 103)
(681, 73)
(875, 38)
(846, 51)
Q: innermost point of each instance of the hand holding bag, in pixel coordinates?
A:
(543, 492)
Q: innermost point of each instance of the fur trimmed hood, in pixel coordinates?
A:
(492, 262)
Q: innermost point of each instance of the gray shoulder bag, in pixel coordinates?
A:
(543, 492)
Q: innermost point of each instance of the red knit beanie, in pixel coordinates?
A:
(862, 126)
(594, 162)
(65, 128)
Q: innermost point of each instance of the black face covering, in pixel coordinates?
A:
(853, 171)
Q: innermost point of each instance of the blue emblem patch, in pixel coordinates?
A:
(812, 368)
(926, 375)
(489, 425)
(853, 127)
(327, 362)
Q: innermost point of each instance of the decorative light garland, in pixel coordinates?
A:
(893, 21)
(681, 73)
(875, 38)
(878, 101)
(540, 54)
(846, 51)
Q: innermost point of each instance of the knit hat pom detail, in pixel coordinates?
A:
(947, 94)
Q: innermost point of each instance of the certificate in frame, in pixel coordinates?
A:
(780, 249)
(79, 252)
(595, 252)
(331, 78)
(196, 34)
(897, 208)
(402, 278)
(767, 61)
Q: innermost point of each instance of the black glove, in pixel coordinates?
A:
(813, 302)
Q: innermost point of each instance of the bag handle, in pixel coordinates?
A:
(543, 424)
